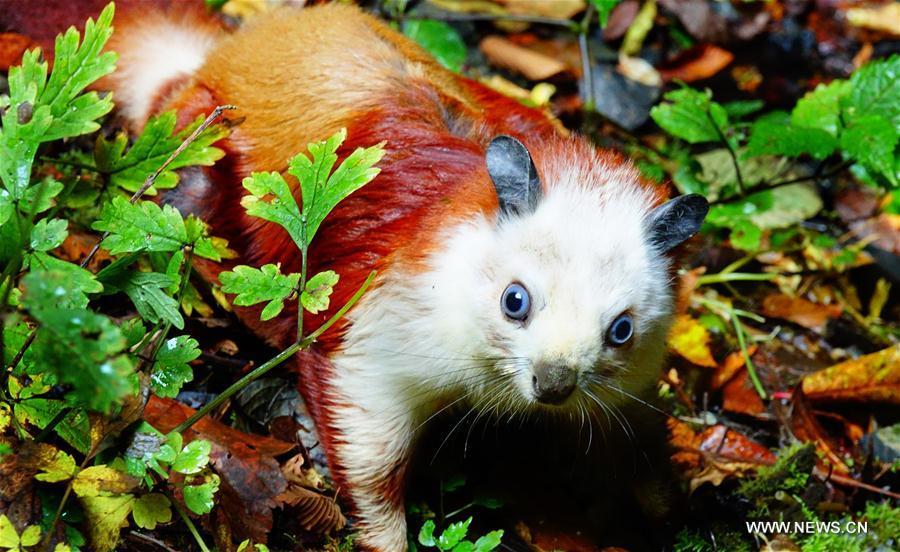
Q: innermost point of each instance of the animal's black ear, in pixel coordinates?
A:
(512, 171)
(676, 220)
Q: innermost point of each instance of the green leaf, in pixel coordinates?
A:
(39, 198)
(820, 109)
(774, 134)
(150, 150)
(84, 350)
(30, 536)
(144, 226)
(171, 369)
(199, 498)
(193, 458)
(150, 510)
(257, 285)
(746, 236)
(75, 428)
(741, 108)
(320, 192)
(453, 534)
(106, 515)
(271, 199)
(440, 40)
(426, 534)
(54, 289)
(42, 109)
(145, 289)
(489, 542)
(48, 234)
(75, 279)
(874, 90)
(872, 141)
(691, 115)
(315, 297)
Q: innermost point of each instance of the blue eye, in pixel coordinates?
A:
(620, 331)
(515, 302)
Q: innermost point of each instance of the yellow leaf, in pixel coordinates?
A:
(55, 465)
(690, 339)
(874, 377)
(106, 515)
(5, 417)
(30, 536)
(102, 481)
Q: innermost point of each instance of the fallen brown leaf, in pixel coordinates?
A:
(739, 395)
(533, 65)
(729, 367)
(810, 315)
(884, 18)
(697, 63)
(558, 9)
(12, 46)
(316, 512)
(873, 377)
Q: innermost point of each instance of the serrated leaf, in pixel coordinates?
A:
(106, 516)
(315, 297)
(193, 457)
(150, 150)
(171, 370)
(200, 498)
(691, 115)
(321, 192)
(258, 285)
(143, 226)
(872, 141)
(440, 40)
(775, 135)
(271, 199)
(48, 234)
(454, 533)
(147, 291)
(874, 90)
(150, 510)
(821, 109)
(102, 481)
(42, 109)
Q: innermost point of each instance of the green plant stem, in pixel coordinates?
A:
(287, 353)
(302, 285)
(190, 524)
(734, 277)
(732, 153)
(751, 369)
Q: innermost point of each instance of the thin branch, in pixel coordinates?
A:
(587, 74)
(815, 177)
(731, 152)
(217, 112)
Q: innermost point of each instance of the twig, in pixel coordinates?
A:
(217, 112)
(815, 177)
(274, 361)
(751, 369)
(731, 152)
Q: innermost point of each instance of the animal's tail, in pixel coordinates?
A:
(160, 43)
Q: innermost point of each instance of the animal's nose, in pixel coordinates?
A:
(553, 383)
